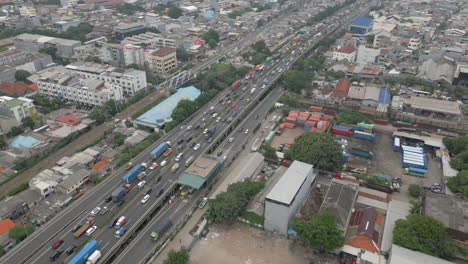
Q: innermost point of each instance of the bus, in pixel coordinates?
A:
(420, 93)
(189, 161)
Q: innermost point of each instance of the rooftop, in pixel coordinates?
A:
(164, 51)
(396, 210)
(69, 119)
(342, 88)
(401, 255)
(289, 184)
(385, 97)
(158, 115)
(362, 21)
(24, 142)
(340, 199)
(199, 172)
(347, 49)
(450, 210)
(6, 225)
(433, 105)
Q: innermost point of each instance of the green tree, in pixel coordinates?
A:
(460, 161)
(258, 58)
(456, 145)
(242, 71)
(269, 151)
(28, 122)
(261, 22)
(22, 75)
(15, 131)
(128, 123)
(211, 34)
(318, 149)
(416, 190)
(182, 54)
(227, 206)
(459, 184)
(425, 234)
(212, 43)
(118, 138)
(296, 80)
(2, 142)
(178, 257)
(97, 115)
(260, 47)
(20, 232)
(129, 9)
(350, 117)
(320, 231)
(174, 12)
(2, 251)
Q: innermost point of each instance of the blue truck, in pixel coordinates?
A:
(364, 135)
(83, 254)
(118, 194)
(132, 174)
(210, 131)
(396, 144)
(156, 152)
(120, 232)
(416, 171)
(361, 152)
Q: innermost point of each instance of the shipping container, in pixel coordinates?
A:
(315, 109)
(396, 144)
(160, 149)
(118, 194)
(412, 149)
(361, 152)
(352, 127)
(404, 124)
(132, 174)
(330, 112)
(381, 122)
(94, 258)
(83, 254)
(341, 131)
(364, 135)
(417, 170)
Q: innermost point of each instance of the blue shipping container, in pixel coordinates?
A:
(364, 135)
(417, 170)
(396, 144)
(361, 153)
(132, 174)
(341, 128)
(83, 255)
(156, 152)
(412, 149)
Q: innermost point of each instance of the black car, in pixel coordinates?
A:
(193, 144)
(56, 255)
(158, 179)
(76, 228)
(113, 223)
(219, 153)
(197, 127)
(160, 193)
(120, 203)
(108, 199)
(70, 250)
(180, 141)
(148, 191)
(188, 139)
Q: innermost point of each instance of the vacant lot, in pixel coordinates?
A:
(240, 244)
(287, 136)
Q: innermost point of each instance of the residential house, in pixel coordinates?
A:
(345, 53)
(13, 111)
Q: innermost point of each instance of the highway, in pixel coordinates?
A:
(36, 249)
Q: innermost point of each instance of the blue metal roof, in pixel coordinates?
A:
(159, 115)
(23, 142)
(385, 97)
(362, 21)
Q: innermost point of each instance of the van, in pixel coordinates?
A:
(122, 220)
(163, 163)
(179, 156)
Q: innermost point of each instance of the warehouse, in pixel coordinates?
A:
(287, 196)
(202, 169)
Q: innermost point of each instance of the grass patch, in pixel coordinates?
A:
(253, 218)
(18, 189)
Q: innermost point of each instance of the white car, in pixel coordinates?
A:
(163, 163)
(218, 119)
(189, 127)
(153, 166)
(145, 199)
(231, 140)
(104, 210)
(214, 115)
(212, 108)
(91, 230)
(179, 156)
(197, 146)
(95, 211)
(246, 131)
(141, 184)
(144, 165)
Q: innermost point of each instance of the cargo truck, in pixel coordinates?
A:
(89, 222)
(85, 253)
(161, 230)
(118, 194)
(404, 124)
(361, 152)
(128, 166)
(132, 174)
(416, 171)
(235, 84)
(342, 131)
(94, 258)
(167, 152)
(160, 149)
(248, 75)
(396, 144)
(379, 187)
(120, 232)
(210, 131)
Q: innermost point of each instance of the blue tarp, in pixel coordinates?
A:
(385, 97)
(158, 115)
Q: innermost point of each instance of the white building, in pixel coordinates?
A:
(414, 43)
(150, 40)
(134, 54)
(286, 197)
(58, 82)
(13, 111)
(345, 53)
(27, 11)
(130, 81)
(367, 55)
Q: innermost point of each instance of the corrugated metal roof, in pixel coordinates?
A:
(159, 114)
(362, 21)
(401, 255)
(287, 187)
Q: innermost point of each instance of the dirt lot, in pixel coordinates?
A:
(240, 244)
(287, 136)
(388, 162)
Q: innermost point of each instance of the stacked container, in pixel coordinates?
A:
(414, 157)
(342, 131)
(380, 121)
(309, 125)
(352, 127)
(315, 117)
(327, 117)
(316, 130)
(364, 135)
(301, 120)
(316, 109)
(323, 125)
(282, 127)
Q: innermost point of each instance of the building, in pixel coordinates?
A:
(134, 54)
(427, 106)
(12, 207)
(13, 60)
(451, 211)
(34, 42)
(111, 53)
(17, 89)
(367, 95)
(65, 25)
(130, 81)
(74, 181)
(367, 55)
(401, 255)
(45, 182)
(27, 11)
(441, 70)
(126, 30)
(59, 82)
(286, 197)
(150, 40)
(342, 88)
(396, 210)
(339, 199)
(201, 171)
(361, 25)
(13, 111)
(164, 60)
(161, 113)
(345, 53)
(414, 43)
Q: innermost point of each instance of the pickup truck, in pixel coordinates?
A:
(89, 222)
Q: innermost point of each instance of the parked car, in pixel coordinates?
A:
(56, 255)
(70, 250)
(57, 244)
(197, 146)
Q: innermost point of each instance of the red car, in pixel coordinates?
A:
(57, 244)
(233, 105)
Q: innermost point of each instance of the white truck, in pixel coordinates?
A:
(175, 167)
(93, 258)
(252, 91)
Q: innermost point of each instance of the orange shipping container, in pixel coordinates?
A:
(315, 109)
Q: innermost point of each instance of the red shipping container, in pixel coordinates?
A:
(314, 118)
(344, 133)
(293, 113)
(381, 122)
(315, 109)
(281, 127)
(312, 123)
(315, 114)
(327, 117)
(300, 124)
(330, 112)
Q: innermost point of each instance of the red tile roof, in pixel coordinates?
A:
(364, 242)
(347, 49)
(69, 119)
(6, 225)
(342, 88)
(2, 168)
(101, 164)
(15, 88)
(164, 51)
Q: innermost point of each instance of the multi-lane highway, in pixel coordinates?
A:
(36, 249)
